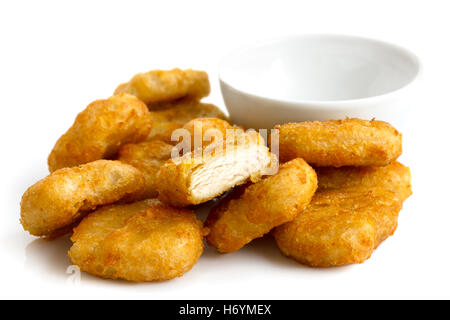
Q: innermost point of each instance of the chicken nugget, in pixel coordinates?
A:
(148, 157)
(346, 219)
(100, 130)
(337, 143)
(204, 174)
(143, 241)
(53, 204)
(167, 85)
(180, 112)
(259, 207)
(394, 177)
(339, 227)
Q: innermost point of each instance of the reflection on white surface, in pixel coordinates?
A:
(48, 260)
(48, 257)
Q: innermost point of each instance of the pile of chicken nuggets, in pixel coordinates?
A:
(119, 184)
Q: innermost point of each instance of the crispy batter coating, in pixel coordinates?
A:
(167, 85)
(394, 177)
(204, 174)
(61, 199)
(337, 143)
(154, 149)
(205, 130)
(180, 112)
(100, 130)
(148, 157)
(257, 208)
(346, 219)
(143, 241)
(339, 227)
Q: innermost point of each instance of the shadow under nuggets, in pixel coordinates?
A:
(48, 257)
(265, 250)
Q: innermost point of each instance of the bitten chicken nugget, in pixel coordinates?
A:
(143, 241)
(166, 121)
(337, 143)
(52, 205)
(100, 130)
(148, 157)
(167, 85)
(394, 177)
(202, 175)
(345, 220)
(259, 207)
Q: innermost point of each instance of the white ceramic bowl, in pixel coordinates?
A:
(317, 77)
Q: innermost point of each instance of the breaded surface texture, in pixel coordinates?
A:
(148, 157)
(167, 85)
(100, 130)
(339, 227)
(337, 143)
(394, 177)
(259, 207)
(179, 113)
(347, 219)
(61, 199)
(204, 174)
(143, 241)
(207, 130)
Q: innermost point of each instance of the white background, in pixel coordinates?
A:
(57, 56)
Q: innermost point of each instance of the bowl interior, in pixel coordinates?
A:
(320, 68)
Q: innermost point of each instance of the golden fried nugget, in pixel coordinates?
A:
(346, 219)
(339, 227)
(337, 143)
(100, 130)
(61, 199)
(202, 175)
(148, 157)
(166, 121)
(143, 241)
(394, 177)
(167, 85)
(259, 207)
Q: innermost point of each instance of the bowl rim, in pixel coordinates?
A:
(325, 103)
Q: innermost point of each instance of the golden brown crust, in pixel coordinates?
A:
(167, 85)
(177, 114)
(394, 177)
(337, 143)
(207, 129)
(100, 130)
(148, 157)
(155, 149)
(143, 241)
(318, 238)
(339, 227)
(238, 219)
(353, 211)
(66, 195)
(172, 183)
